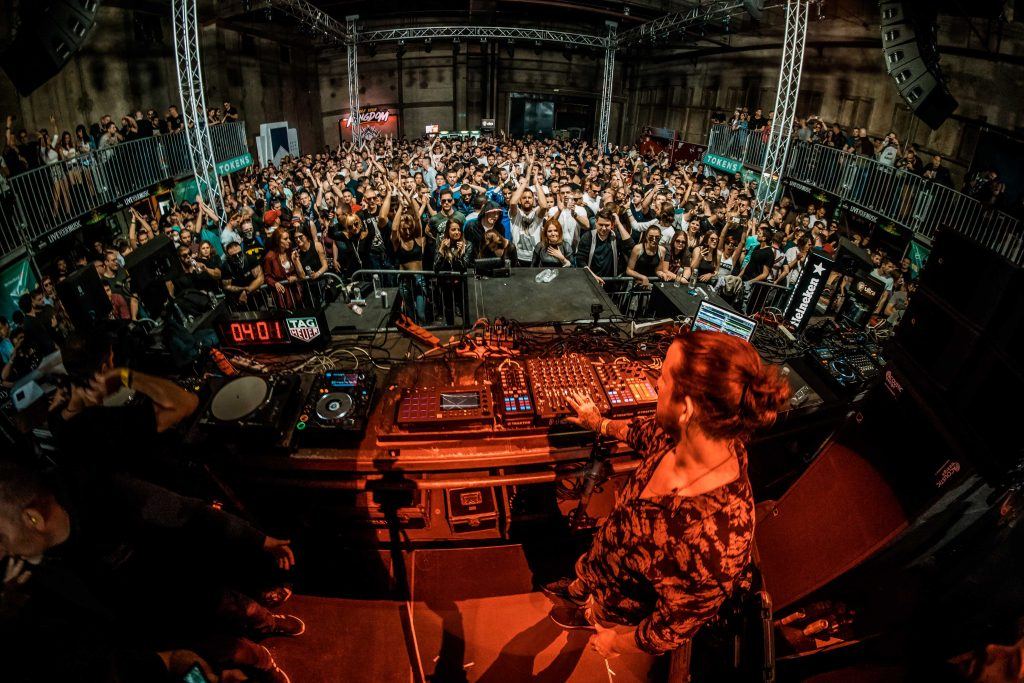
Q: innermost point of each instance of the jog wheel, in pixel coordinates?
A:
(239, 398)
(333, 406)
(843, 370)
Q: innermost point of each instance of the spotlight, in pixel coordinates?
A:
(456, 47)
(401, 49)
(510, 49)
(537, 48)
(371, 49)
(427, 46)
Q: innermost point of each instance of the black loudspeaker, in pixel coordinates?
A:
(936, 339)
(973, 280)
(83, 298)
(912, 59)
(150, 267)
(48, 34)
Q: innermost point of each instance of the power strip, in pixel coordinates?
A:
(787, 334)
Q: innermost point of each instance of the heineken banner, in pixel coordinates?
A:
(722, 163)
(186, 190)
(813, 279)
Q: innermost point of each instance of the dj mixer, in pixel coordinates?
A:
(529, 393)
(553, 378)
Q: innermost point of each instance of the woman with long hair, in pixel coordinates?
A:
(282, 269)
(677, 259)
(647, 259)
(409, 245)
(680, 535)
(454, 254)
(51, 158)
(85, 145)
(551, 251)
(706, 258)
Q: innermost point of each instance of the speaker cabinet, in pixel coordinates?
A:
(49, 33)
(83, 298)
(912, 60)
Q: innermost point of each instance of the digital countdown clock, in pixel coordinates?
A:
(274, 330)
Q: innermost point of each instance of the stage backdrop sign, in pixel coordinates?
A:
(374, 122)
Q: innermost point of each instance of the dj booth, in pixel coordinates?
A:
(475, 419)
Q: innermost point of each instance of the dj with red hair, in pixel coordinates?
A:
(680, 534)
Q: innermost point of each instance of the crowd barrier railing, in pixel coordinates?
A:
(299, 295)
(45, 199)
(430, 299)
(910, 200)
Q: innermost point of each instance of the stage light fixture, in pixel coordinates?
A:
(427, 46)
(537, 48)
(401, 49)
(510, 49)
(456, 47)
(371, 49)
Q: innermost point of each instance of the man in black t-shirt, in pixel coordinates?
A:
(240, 273)
(759, 266)
(602, 252)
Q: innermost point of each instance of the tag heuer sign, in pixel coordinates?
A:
(303, 329)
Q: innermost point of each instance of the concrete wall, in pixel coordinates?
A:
(844, 80)
(452, 90)
(128, 63)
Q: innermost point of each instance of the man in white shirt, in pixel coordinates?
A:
(572, 218)
(525, 209)
(592, 197)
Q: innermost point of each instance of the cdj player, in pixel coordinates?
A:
(338, 403)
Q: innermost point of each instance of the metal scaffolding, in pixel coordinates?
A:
(323, 26)
(193, 102)
(785, 106)
(481, 32)
(607, 86)
(352, 57)
(662, 29)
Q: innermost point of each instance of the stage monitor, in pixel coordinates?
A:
(714, 318)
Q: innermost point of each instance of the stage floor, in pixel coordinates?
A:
(502, 639)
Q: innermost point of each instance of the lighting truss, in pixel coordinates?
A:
(322, 25)
(607, 84)
(352, 57)
(785, 106)
(193, 102)
(489, 32)
(659, 30)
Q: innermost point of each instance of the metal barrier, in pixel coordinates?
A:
(431, 299)
(44, 199)
(291, 296)
(761, 296)
(903, 197)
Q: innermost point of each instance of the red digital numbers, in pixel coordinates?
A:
(258, 332)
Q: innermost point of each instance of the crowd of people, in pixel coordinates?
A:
(442, 206)
(984, 185)
(25, 149)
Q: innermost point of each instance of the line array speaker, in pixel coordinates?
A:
(912, 59)
(48, 33)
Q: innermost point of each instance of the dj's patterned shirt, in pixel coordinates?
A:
(666, 564)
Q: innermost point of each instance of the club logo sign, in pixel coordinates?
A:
(303, 329)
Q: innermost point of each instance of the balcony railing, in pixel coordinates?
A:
(905, 198)
(45, 201)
